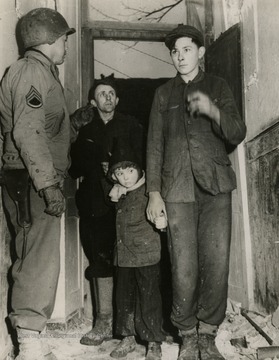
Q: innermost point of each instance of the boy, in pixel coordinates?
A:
(189, 178)
(137, 256)
(97, 214)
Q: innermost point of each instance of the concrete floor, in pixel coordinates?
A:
(66, 346)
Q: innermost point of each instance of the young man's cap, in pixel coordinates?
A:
(184, 31)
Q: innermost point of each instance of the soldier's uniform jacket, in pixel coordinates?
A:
(34, 120)
(181, 148)
(138, 243)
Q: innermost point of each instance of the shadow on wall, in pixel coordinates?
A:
(136, 96)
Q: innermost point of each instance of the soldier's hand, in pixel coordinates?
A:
(82, 117)
(55, 200)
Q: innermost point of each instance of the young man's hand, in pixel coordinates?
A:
(155, 206)
(200, 103)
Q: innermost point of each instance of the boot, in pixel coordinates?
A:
(208, 348)
(154, 351)
(103, 326)
(101, 331)
(127, 345)
(29, 345)
(189, 349)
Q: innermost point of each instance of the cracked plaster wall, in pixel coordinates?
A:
(260, 61)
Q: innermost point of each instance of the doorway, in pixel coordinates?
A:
(136, 95)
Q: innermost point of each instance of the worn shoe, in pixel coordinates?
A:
(102, 331)
(189, 349)
(154, 351)
(29, 345)
(33, 346)
(127, 345)
(208, 349)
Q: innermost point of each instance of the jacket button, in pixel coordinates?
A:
(189, 122)
(119, 211)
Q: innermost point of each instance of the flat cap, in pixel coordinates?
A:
(184, 31)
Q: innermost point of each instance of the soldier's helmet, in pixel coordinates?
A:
(43, 26)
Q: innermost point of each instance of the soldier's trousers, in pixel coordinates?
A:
(36, 275)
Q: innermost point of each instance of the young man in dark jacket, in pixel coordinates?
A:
(190, 179)
(97, 215)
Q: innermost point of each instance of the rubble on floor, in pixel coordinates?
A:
(235, 329)
(246, 338)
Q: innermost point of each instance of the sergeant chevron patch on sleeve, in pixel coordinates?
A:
(34, 98)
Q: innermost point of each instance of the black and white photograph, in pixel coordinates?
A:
(139, 180)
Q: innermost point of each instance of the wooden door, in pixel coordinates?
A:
(223, 58)
(69, 297)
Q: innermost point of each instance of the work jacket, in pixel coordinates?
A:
(86, 158)
(138, 242)
(92, 146)
(34, 120)
(182, 148)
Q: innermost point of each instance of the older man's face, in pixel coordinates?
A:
(105, 99)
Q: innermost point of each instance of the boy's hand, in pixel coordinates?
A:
(200, 103)
(155, 206)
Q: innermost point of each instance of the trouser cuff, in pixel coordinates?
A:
(209, 329)
(192, 331)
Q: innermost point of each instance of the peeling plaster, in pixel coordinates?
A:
(17, 9)
(253, 81)
(232, 12)
(249, 7)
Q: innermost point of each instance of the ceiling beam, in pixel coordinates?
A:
(115, 30)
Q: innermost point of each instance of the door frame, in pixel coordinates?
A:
(113, 30)
(241, 247)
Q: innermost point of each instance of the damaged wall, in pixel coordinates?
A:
(9, 15)
(261, 61)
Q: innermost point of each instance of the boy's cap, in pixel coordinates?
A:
(122, 153)
(184, 31)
